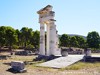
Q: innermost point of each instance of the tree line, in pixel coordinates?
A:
(92, 41)
(26, 37)
(11, 37)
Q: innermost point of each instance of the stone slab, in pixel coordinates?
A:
(62, 62)
(17, 65)
(95, 55)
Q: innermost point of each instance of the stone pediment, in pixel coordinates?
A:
(45, 9)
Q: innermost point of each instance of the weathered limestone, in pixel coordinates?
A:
(62, 62)
(46, 16)
(42, 39)
(18, 66)
(88, 52)
(48, 37)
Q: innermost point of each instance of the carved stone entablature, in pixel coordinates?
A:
(48, 6)
(51, 13)
(45, 9)
(46, 14)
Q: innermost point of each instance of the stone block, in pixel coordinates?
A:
(18, 65)
(64, 53)
(88, 52)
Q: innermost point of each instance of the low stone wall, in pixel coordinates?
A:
(24, 53)
(4, 57)
(95, 51)
(92, 59)
(73, 50)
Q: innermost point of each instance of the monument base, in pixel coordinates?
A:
(64, 53)
(46, 58)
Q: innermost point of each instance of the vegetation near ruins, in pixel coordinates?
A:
(92, 41)
(27, 38)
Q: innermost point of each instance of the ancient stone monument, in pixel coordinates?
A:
(46, 18)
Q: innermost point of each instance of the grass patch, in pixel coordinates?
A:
(82, 65)
(29, 62)
(22, 58)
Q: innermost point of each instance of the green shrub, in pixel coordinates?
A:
(29, 47)
(15, 47)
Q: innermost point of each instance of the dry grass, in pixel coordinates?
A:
(79, 68)
(95, 53)
(82, 65)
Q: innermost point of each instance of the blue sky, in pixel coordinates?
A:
(73, 16)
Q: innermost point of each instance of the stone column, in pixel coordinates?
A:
(48, 40)
(42, 39)
(58, 50)
(52, 38)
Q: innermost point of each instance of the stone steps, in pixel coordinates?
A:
(62, 62)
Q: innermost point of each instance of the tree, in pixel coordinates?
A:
(64, 40)
(10, 37)
(13, 38)
(26, 34)
(93, 39)
(2, 35)
(74, 42)
(18, 37)
(81, 41)
(35, 39)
